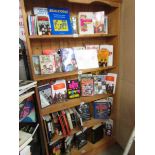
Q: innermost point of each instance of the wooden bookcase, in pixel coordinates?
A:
(36, 44)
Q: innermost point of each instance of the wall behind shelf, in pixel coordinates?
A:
(126, 112)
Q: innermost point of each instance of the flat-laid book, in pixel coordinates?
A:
(85, 22)
(60, 21)
(47, 64)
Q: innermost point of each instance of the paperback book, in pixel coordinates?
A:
(68, 60)
(103, 56)
(111, 83)
(60, 21)
(36, 64)
(47, 64)
(102, 108)
(59, 91)
(45, 95)
(98, 22)
(73, 89)
(87, 85)
(85, 21)
(99, 84)
(108, 48)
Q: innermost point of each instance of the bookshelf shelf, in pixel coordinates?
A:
(66, 74)
(71, 103)
(71, 36)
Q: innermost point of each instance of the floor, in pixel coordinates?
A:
(113, 150)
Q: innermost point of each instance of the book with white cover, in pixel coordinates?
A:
(85, 22)
(69, 119)
(110, 57)
(86, 59)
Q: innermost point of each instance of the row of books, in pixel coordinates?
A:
(72, 59)
(87, 85)
(80, 139)
(63, 122)
(57, 21)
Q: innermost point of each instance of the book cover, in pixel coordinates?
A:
(105, 25)
(108, 48)
(102, 109)
(47, 64)
(45, 95)
(86, 59)
(99, 84)
(87, 85)
(74, 25)
(84, 110)
(59, 91)
(73, 89)
(85, 22)
(103, 56)
(43, 25)
(108, 127)
(60, 21)
(69, 118)
(98, 22)
(36, 64)
(72, 117)
(111, 83)
(68, 60)
(27, 110)
(89, 47)
(40, 11)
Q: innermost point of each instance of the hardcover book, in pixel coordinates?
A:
(111, 83)
(108, 48)
(45, 95)
(85, 21)
(47, 64)
(59, 91)
(102, 109)
(86, 59)
(68, 60)
(60, 21)
(73, 89)
(99, 84)
(36, 64)
(98, 22)
(87, 85)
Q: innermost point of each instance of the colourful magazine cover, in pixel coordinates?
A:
(60, 21)
(47, 64)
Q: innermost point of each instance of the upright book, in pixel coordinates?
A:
(36, 64)
(60, 21)
(85, 21)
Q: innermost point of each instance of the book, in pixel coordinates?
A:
(87, 85)
(26, 84)
(97, 133)
(45, 94)
(69, 119)
(25, 150)
(108, 127)
(72, 117)
(86, 59)
(99, 84)
(105, 31)
(60, 21)
(32, 24)
(73, 89)
(74, 25)
(36, 64)
(27, 110)
(43, 22)
(102, 108)
(68, 60)
(98, 22)
(79, 48)
(85, 23)
(111, 83)
(108, 48)
(47, 64)
(43, 25)
(84, 110)
(103, 56)
(59, 91)
(96, 47)
(25, 95)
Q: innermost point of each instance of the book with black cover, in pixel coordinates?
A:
(97, 133)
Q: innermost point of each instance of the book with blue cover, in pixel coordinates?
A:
(60, 21)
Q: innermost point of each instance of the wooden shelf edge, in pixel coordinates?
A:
(71, 103)
(66, 74)
(71, 36)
